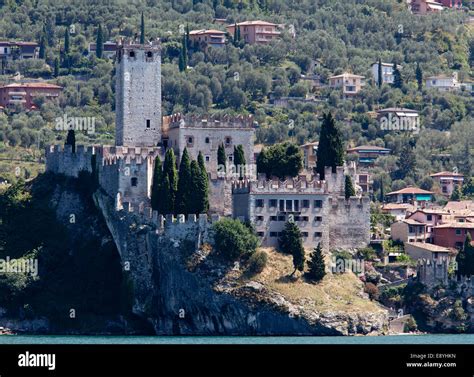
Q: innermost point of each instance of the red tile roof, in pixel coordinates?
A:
(410, 190)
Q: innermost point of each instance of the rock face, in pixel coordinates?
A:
(178, 298)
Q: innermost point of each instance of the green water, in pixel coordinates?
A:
(400, 339)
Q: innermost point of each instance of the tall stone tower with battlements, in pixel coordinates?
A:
(138, 95)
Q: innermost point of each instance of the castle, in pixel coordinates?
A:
(125, 171)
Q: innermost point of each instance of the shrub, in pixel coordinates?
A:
(372, 291)
(257, 262)
(367, 253)
(233, 239)
(410, 325)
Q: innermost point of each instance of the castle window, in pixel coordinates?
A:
(132, 54)
(134, 182)
(231, 158)
(273, 234)
(260, 234)
(318, 203)
(304, 234)
(281, 218)
(208, 158)
(207, 140)
(148, 123)
(273, 202)
(149, 54)
(260, 218)
(228, 141)
(318, 234)
(273, 218)
(318, 219)
(259, 203)
(305, 203)
(190, 141)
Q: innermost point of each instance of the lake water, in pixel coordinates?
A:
(399, 339)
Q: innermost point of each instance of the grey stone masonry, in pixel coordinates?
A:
(138, 94)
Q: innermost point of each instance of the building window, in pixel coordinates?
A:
(318, 204)
(429, 217)
(318, 234)
(297, 205)
(289, 205)
(458, 232)
(273, 218)
(231, 159)
(304, 234)
(281, 218)
(228, 141)
(208, 158)
(207, 140)
(305, 203)
(259, 203)
(304, 218)
(282, 205)
(273, 202)
(190, 141)
(134, 182)
(149, 54)
(260, 234)
(132, 54)
(318, 219)
(260, 218)
(148, 123)
(273, 234)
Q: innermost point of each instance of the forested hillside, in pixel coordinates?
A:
(319, 37)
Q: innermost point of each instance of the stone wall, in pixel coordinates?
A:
(61, 160)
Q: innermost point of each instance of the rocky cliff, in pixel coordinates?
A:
(180, 289)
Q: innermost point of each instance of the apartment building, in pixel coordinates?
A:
(255, 32)
(24, 94)
(387, 72)
(448, 181)
(207, 38)
(349, 83)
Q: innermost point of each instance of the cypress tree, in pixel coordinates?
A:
(156, 186)
(380, 75)
(382, 192)
(71, 140)
(56, 67)
(397, 77)
(316, 265)
(330, 149)
(42, 47)
(99, 49)
(235, 34)
(66, 41)
(170, 185)
(349, 189)
(185, 52)
(291, 242)
(221, 158)
(204, 186)
(419, 76)
(239, 37)
(198, 188)
(142, 30)
(456, 194)
(184, 184)
(181, 63)
(239, 160)
(465, 258)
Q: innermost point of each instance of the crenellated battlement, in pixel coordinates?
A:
(433, 272)
(301, 184)
(60, 159)
(179, 120)
(352, 202)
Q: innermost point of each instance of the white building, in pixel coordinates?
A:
(387, 72)
(448, 83)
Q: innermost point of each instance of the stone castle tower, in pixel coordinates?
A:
(138, 95)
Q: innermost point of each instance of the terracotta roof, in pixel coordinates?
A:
(410, 190)
(205, 31)
(33, 85)
(412, 222)
(390, 206)
(363, 147)
(257, 22)
(460, 206)
(446, 174)
(429, 247)
(456, 225)
(347, 74)
(396, 109)
(432, 211)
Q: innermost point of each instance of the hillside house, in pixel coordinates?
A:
(349, 83)
(255, 32)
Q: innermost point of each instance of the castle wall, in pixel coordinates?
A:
(61, 160)
(349, 222)
(220, 197)
(205, 136)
